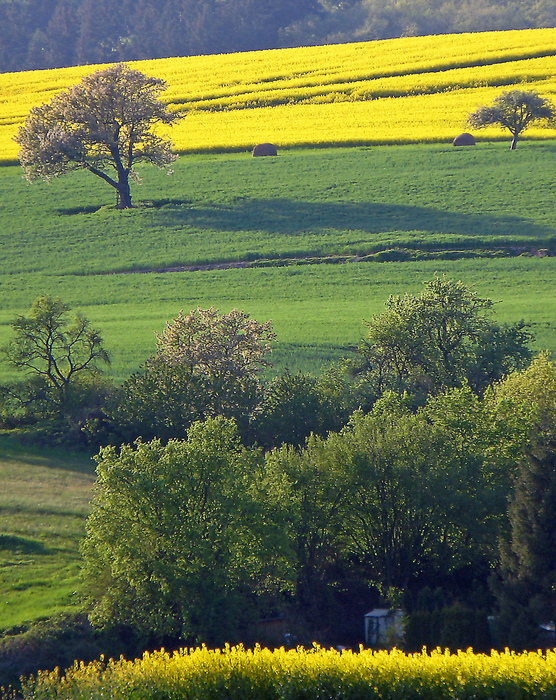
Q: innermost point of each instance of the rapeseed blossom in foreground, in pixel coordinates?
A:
(263, 674)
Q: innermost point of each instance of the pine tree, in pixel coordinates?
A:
(61, 33)
(527, 589)
(525, 403)
(101, 29)
(37, 52)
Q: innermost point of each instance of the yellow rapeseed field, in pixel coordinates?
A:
(394, 91)
(262, 674)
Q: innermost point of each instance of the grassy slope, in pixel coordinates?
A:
(44, 499)
(58, 238)
(61, 239)
(304, 203)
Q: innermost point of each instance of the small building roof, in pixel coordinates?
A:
(379, 612)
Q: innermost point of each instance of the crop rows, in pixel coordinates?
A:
(199, 674)
(306, 72)
(394, 91)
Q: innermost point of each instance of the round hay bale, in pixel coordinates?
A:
(464, 139)
(265, 149)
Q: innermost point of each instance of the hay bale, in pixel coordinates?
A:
(464, 139)
(265, 149)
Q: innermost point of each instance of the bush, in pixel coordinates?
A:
(57, 642)
(454, 627)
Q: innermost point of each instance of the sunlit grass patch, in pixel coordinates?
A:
(65, 240)
(44, 500)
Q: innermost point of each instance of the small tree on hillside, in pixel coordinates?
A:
(55, 351)
(104, 125)
(514, 110)
(439, 339)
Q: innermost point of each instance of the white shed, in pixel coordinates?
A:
(382, 625)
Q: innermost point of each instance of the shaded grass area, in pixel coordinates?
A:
(44, 500)
(303, 203)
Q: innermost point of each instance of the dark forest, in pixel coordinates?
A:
(55, 33)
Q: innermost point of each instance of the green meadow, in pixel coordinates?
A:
(308, 225)
(315, 239)
(44, 500)
(229, 208)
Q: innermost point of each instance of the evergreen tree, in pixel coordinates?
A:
(527, 589)
(61, 35)
(37, 54)
(526, 585)
(145, 38)
(15, 34)
(106, 31)
(101, 28)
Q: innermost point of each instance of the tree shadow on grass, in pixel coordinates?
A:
(284, 216)
(24, 449)
(72, 211)
(21, 545)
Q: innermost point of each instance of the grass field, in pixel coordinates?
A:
(230, 209)
(414, 89)
(44, 499)
(63, 240)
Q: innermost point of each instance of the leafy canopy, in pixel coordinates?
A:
(103, 125)
(206, 364)
(514, 110)
(525, 403)
(177, 537)
(439, 339)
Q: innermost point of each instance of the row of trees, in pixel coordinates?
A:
(234, 499)
(198, 539)
(55, 33)
(209, 364)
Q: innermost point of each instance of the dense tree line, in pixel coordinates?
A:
(55, 33)
(420, 472)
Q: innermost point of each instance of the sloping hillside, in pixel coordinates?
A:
(44, 500)
(394, 91)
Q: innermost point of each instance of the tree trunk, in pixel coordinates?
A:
(514, 142)
(123, 192)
